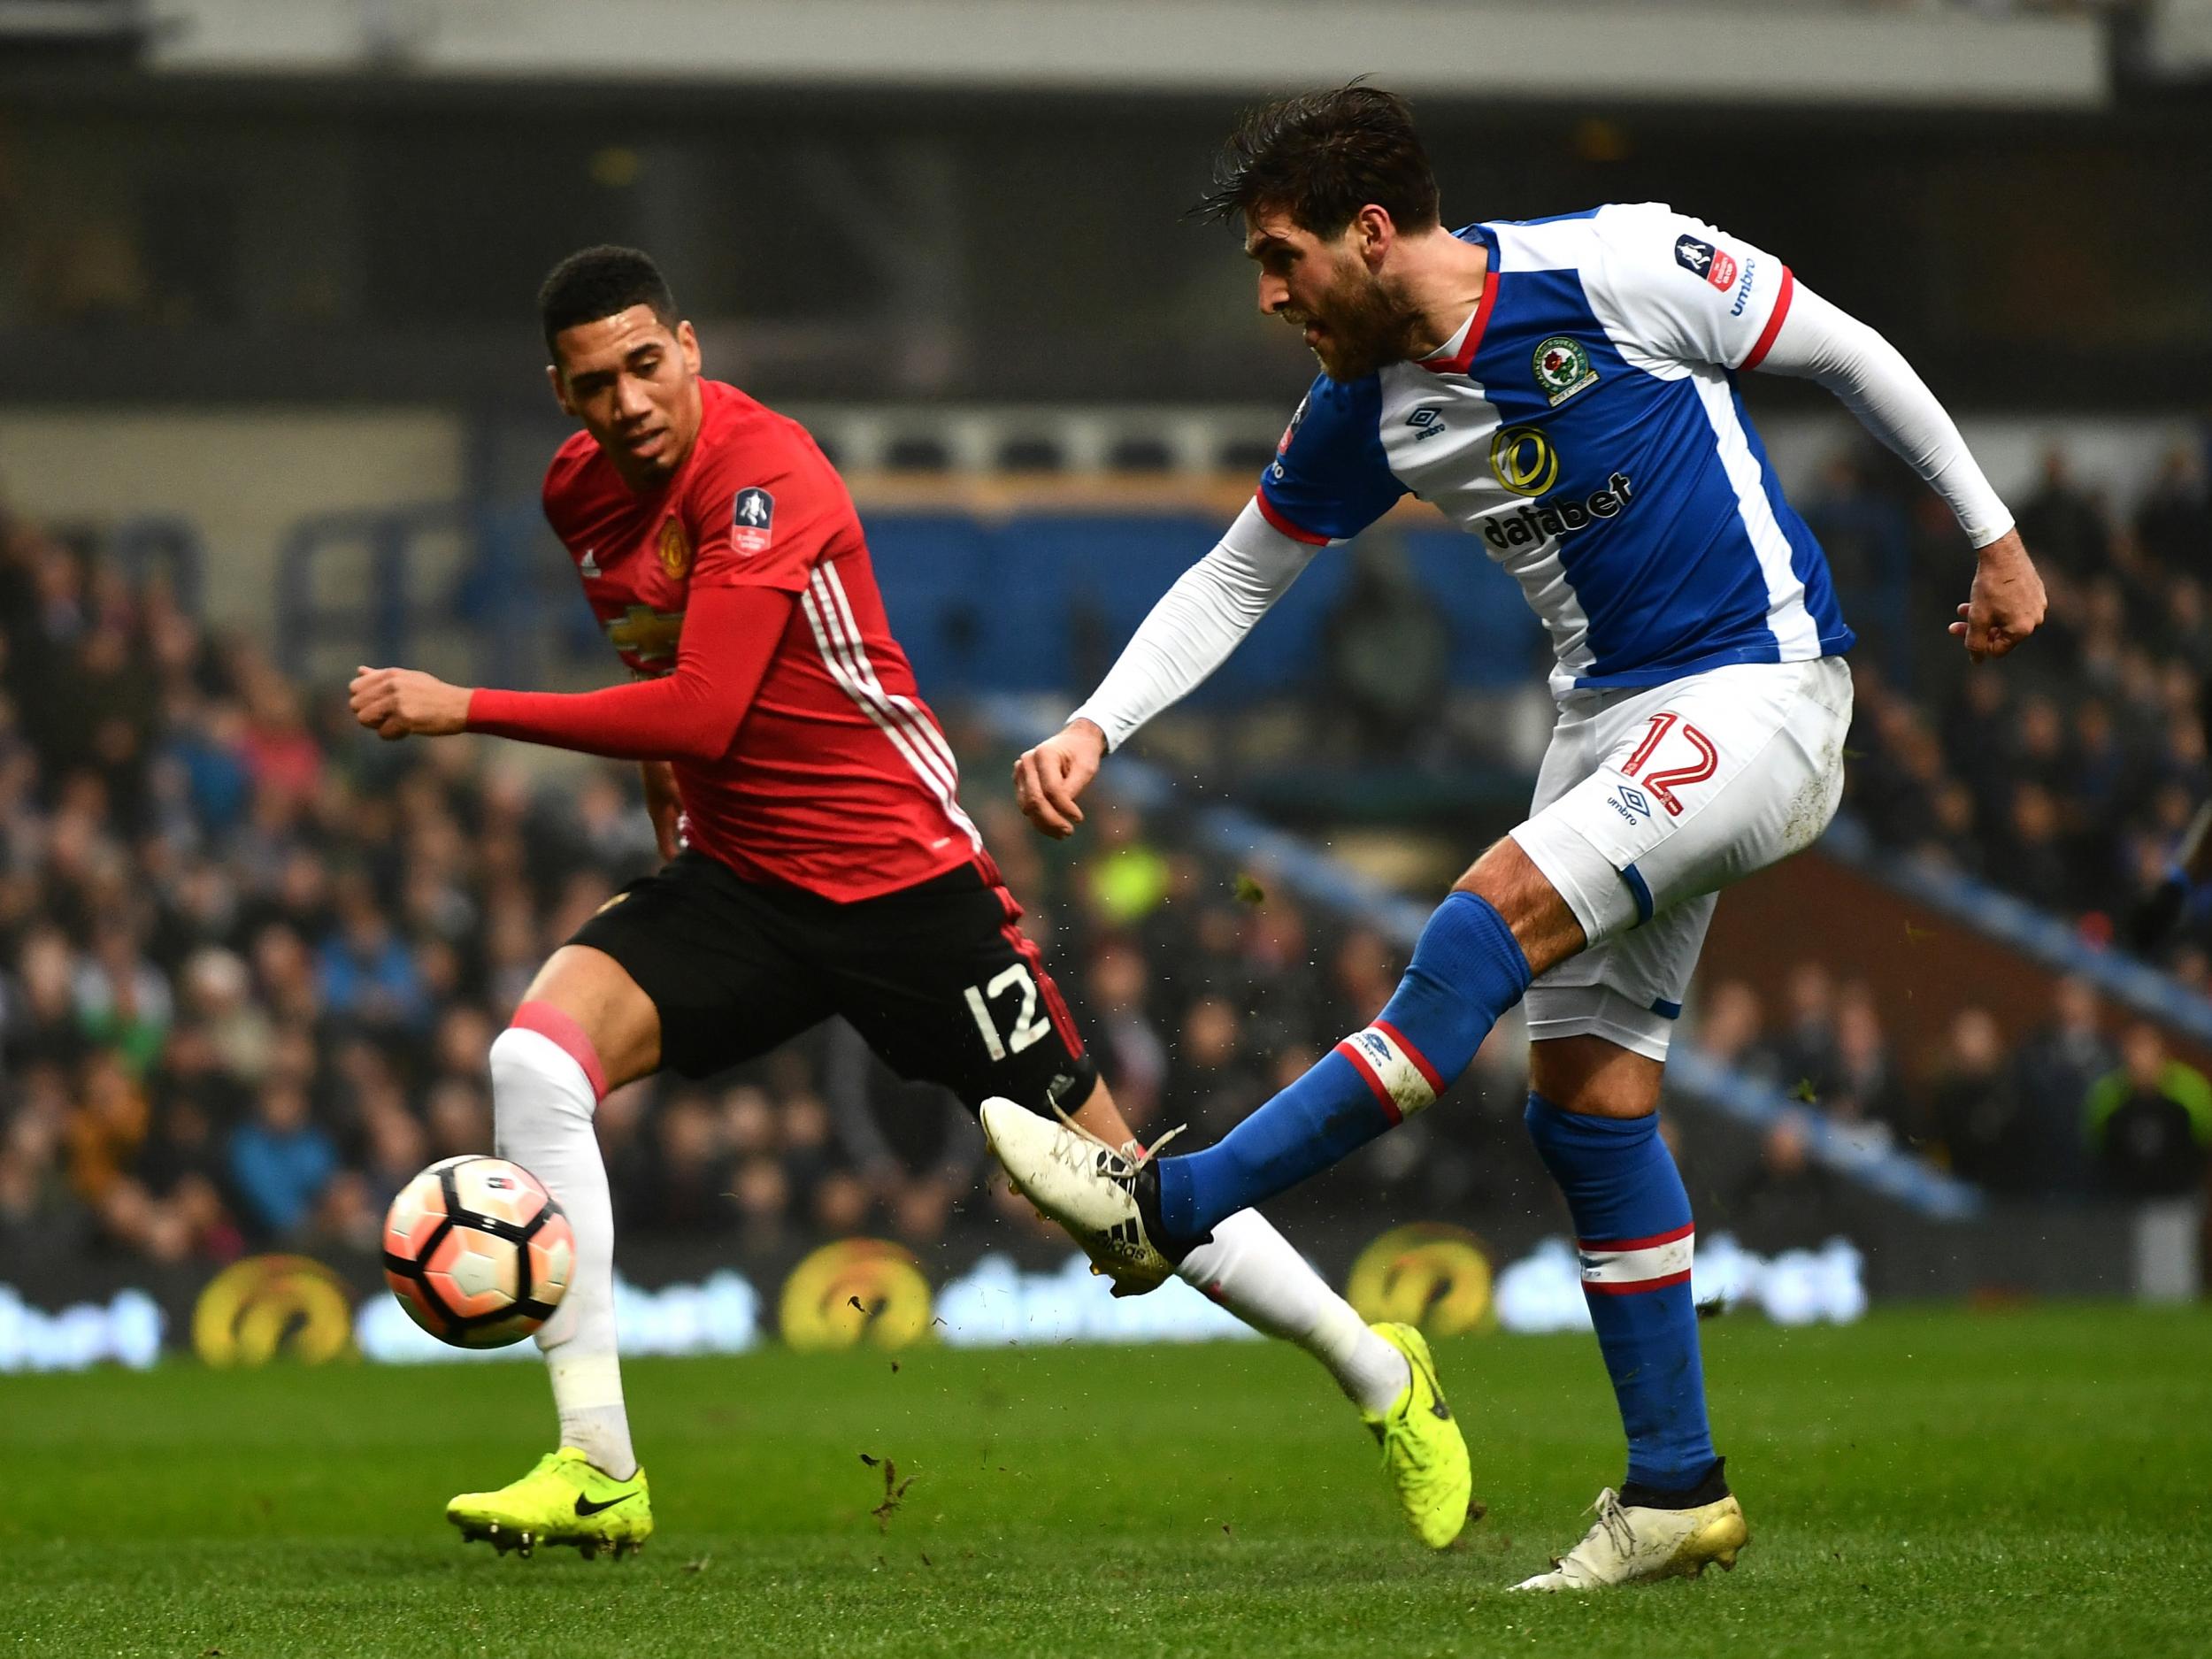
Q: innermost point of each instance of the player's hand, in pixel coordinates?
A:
(397, 702)
(2006, 603)
(664, 806)
(1048, 778)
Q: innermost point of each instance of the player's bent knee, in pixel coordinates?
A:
(1594, 1078)
(592, 995)
(1544, 924)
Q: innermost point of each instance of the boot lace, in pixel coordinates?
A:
(1612, 1524)
(1129, 1152)
(1126, 1160)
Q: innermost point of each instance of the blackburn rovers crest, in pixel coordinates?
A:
(1563, 368)
(675, 550)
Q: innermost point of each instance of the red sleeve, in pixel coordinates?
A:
(765, 508)
(692, 713)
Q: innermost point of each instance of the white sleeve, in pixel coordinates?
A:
(1816, 341)
(1674, 291)
(1196, 624)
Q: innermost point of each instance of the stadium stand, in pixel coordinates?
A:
(253, 958)
(2068, 782)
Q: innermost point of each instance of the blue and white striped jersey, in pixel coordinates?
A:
(1585, 423)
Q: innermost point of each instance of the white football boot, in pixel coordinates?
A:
(1635, 1545)
(1087, 1187)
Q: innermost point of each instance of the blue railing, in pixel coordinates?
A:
(1008, 605)
(161, 543)
(509, 590)
(1034, 602)
(1027, 604)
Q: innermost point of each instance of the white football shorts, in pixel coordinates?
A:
(1649, 802)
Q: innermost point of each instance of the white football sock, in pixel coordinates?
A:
(1252, 1271)
(541, 1104)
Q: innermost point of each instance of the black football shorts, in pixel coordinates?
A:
(938, 978)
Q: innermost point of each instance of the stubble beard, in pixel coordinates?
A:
(1367, 328)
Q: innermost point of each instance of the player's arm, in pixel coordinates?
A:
(1819, 341)
(1328, 481)
(1187, 635)
(693, 714)
(1686, 293)
(739, 601)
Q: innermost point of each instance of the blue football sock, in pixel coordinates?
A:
(1467, 969)
(1634, 1237)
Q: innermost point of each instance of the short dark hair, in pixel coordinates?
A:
(1321, 156)
(601, 281)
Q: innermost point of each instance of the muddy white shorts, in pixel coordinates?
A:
(1651, 801)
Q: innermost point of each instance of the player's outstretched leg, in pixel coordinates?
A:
(1674, 1514)
(548, 1080)
(1252, 1270)
(1467, 969)
(1384, 1369)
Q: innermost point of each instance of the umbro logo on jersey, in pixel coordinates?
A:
(753, 519)
(1701, 259)
(1743, 289)
(589, 566)
(1371, 1044)
(1426, 423)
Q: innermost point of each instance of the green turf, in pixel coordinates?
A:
(1928, 1482)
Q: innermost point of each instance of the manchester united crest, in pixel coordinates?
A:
(675, 550)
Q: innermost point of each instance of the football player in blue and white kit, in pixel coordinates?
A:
(1564, 390)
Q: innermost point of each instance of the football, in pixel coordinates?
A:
(477, 1251)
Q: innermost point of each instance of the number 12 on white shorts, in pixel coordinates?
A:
(1650, 796)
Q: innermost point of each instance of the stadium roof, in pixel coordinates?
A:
(1830, 51)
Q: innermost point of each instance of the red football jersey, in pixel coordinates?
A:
(840, 779)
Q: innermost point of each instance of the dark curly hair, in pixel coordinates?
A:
(1321, 156)
(601, 281)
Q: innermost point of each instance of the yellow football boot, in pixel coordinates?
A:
(564, 1500)
(1423, 1453)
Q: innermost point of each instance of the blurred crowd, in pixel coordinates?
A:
(253, 966)
(2068, 777)
(2081, 1104)
(252, 959)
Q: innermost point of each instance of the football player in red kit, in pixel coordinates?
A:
(818, 863)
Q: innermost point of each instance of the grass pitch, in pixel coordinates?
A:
(1929, 1482)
